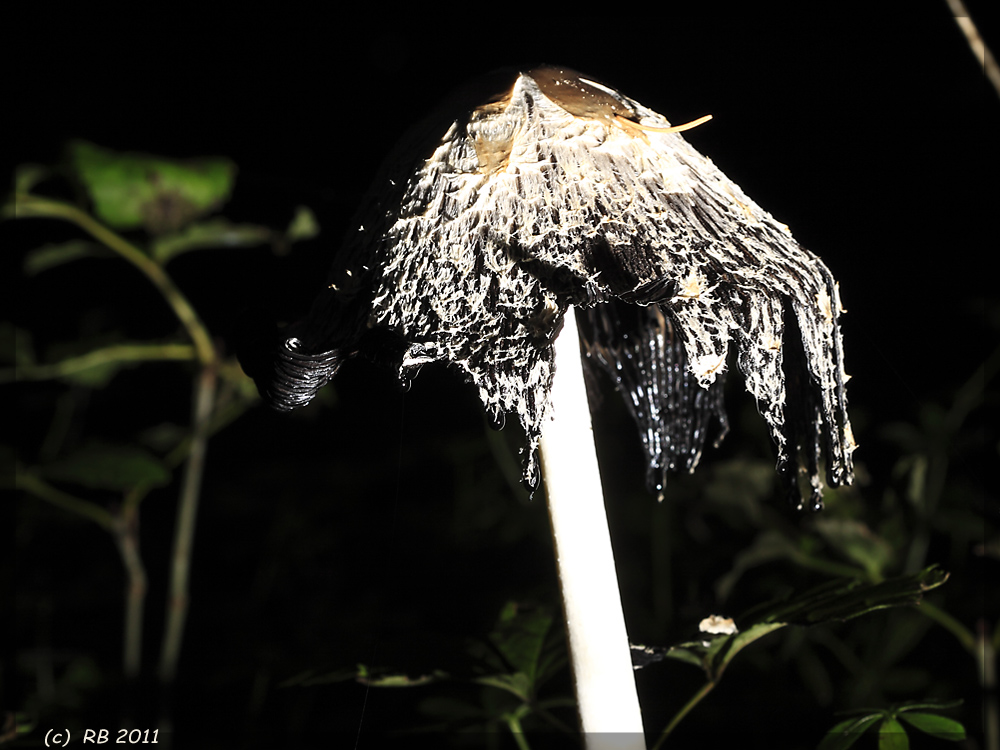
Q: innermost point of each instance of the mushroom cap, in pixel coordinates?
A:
(540, 189)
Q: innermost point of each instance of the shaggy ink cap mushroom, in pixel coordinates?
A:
(540, 189)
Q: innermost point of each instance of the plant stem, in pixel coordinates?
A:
(98, 357)
(695, 700)
(949, 623)
(27, 205)
(982, 53)
(595, 623)
(124, 528)
(514, 725)
(25, 480)
(135, 593)
(986, 656)
(187, 512)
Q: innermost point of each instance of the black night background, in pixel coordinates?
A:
(386, 528)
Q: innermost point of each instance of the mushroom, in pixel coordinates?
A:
(541, 191)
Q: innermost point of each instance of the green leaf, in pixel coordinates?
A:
(310, 678)
(937, 726)
(856, 542)
(690, 652)
(385, 679)
(840, 600)
(892, 736)
(132, 190)
(518, 684)
(916, 491)
(836, 600)
(109, 467)
(401, 680)
(847, 732)
(451, 709)
(519, 636)
(80, 361)
(932, 705)
(740, 485)
(209, 234)
(55, 254)
(164, 437)
(84, 368)
(94, 367)
(303, 225)
(768, 546)
(713, 653)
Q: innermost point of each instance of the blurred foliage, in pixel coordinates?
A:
(511, 665)
(129, 191)
(377, 528)
(892, 733)
(78, 468)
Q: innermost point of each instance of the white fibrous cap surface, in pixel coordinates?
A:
(558, 191)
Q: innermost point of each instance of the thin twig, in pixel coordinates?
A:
(514, 725)
(987, 658)
(33, 206)
(187, 513)
(135, 593)
(982, 53)
(105, 356)
(29, 482)
(125, 531)
(695, 700)
(27, 205)
(962, 634)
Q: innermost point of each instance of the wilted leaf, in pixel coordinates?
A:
(109, 467)
(132, 190)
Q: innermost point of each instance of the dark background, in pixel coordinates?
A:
(377, 527)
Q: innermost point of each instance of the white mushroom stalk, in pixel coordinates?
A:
(542, 189)
(595, 623)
